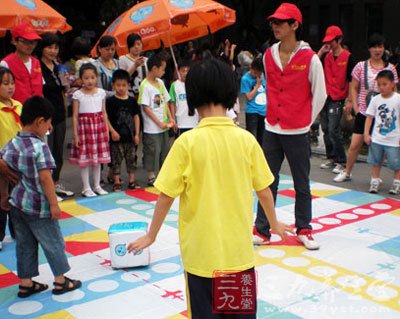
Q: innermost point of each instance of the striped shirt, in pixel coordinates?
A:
(359, 75)
(27, 154)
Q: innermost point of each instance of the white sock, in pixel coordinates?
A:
(85, 177)
(96, 176)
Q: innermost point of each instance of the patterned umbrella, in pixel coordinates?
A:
(40, 15)
(169, 21)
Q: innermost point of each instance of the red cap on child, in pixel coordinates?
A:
(287, 11)
(331, 33)
(25, 31)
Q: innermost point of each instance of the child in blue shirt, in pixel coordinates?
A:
(253, 86)
(34, 205)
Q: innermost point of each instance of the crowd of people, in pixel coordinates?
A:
(118, 103)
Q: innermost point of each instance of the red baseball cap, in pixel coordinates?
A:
(26, 31)
(287, 11)
(331, 33)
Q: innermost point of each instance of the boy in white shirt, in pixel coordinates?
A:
(178, 103)
(157, 119)
(385, 140)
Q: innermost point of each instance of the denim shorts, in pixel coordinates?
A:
(376, 153)
(31, 231)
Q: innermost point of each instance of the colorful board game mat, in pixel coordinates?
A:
(355, 274)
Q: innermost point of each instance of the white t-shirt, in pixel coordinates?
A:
(178, 96)
(156, 98)
(90, 103)
(27, 64)
(125, 62)
(386, 112)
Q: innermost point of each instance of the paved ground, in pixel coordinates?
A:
(70, 176)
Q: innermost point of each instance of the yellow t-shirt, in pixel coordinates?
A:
(214, 168)
(8, 126)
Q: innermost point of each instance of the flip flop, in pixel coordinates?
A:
(65, 286)
(133, 185)
(35, 288)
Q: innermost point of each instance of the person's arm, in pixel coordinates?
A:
(135, 65)
(324, 50)
(46, 180)
(4, 205)
(354, 87)
(267, 202)
(318, 89)
(253, 92)
(105, 116)
(163, 205)
(149, 112)
(7, 173)
(367, 129)
(75, 113)
(136, 120)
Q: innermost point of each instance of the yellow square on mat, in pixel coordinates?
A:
(62, 314)
(396, 212)
(327, 192)
(4, 270)
(94, 236)
(72, 208)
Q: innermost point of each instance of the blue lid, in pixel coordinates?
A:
(125, 227)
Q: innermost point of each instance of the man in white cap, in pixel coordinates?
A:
(296, 94)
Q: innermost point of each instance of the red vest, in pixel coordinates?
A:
(26, 84)
(289, 91)
(337, 86)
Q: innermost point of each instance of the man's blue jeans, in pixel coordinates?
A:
(330, 117)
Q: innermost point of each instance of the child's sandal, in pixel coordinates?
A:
(65, 287)
(117, 187)
(133, 185)
(34, 289)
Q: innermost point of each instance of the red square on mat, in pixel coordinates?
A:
(292, 193)
(77, 248)
(8, 279)
(143, 195)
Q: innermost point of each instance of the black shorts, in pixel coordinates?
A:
(200, 299)
(359, 123)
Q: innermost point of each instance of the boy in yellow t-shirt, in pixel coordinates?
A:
(215, 179)
(10, 124)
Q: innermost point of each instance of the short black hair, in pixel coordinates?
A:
(257, 64)
(36, 107)
(81, 46)
(211, 81)
(48, 39)
(376, 39)
(3, 71)
(106, 41)
(120, 74)
(155, 60)
(132, 38)
(184, 63)
(386, 74)
(87, 66)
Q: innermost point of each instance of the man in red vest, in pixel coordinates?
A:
(26, 69)
(338, 64)
(296, 94)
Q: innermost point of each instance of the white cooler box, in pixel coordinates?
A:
(120, 235)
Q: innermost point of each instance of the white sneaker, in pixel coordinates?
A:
(100, 191)
(88, 193)
(395, 189)
(328, 164)
(338, 168)
(342, 177)
(59, 199)
(259, 239)
(305, 237)
(61, 191)
(374, 185)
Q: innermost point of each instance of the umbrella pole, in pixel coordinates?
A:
(173, 57)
